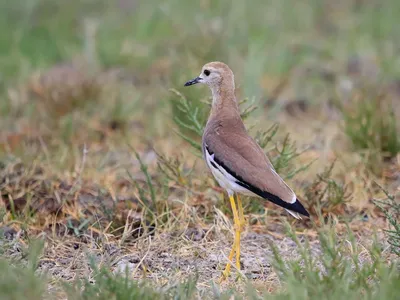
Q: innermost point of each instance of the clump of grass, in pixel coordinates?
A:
(105, 285)
(20, 280)
(336, 271)
(326, 195)
(63, 89)
(174, 170)
(391, 209)
(371, 125)
(153, 207)
(78, 227)
(188, 120)
(121, 110)
(25, 191)
(282, 154)
(31, 199)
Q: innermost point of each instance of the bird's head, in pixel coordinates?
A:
(215, 75)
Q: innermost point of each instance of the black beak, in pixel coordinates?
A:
(193, 81)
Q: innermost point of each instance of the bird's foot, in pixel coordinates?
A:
(225, 273)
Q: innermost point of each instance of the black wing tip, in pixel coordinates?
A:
(299, 208)
(295, 206)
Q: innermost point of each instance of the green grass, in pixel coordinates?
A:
(370, 122)
(18, 279)
(334, 274)
(337, 271)
(391, 209)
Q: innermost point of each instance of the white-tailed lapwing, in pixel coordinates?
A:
(237, 162)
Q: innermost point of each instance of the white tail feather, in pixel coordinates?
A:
(294, 214)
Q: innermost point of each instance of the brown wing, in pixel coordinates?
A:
(231, 145)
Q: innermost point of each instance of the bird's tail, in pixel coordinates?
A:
(297, 209)
(294, 214)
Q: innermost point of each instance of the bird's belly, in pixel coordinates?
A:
(227, 181)
(230, 185)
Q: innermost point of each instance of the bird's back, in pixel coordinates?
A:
(230, 143)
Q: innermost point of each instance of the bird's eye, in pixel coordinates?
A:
(207, 72)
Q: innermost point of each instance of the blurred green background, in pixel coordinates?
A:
(163, 43)
(72, 71)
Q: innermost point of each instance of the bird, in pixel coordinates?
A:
(236, 161)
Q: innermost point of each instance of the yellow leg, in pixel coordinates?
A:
(237, 233)
(241, 213)
(236, 243)
(227, 270)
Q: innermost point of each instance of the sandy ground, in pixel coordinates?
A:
(165, 258)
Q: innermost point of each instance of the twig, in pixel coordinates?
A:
(45, 149)
(81, 168)
(143, 258)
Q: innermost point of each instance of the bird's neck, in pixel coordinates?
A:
(224, 101)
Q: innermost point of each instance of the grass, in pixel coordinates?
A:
(391, 210)
(336, 271)
(100, 160)
(326, 195)
(370, 123)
